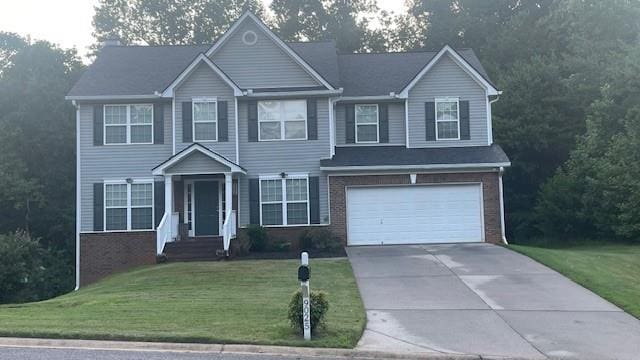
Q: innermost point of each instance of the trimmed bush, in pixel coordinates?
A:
(319, 308)
(320, 239)
(257, 236)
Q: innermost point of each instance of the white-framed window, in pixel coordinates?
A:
(367, 123)
(282, 120)
(447, 119)
(284, 201)
(128, 124)
(205, 119)
(128, 206)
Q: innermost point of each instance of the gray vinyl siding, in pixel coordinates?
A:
(396, 125)
(114, 162)
(197, 163)
(204, 82)
(262, 65)
(274, 157)
(447, 79)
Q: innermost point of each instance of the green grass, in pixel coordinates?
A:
(212, 302)
(612, 271)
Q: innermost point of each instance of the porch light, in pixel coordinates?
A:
(283, 174)
(129, 181)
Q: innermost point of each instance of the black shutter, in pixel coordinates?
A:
(223, 121)
(430, 120)
(252, 115)
(98, 207)
(254, 201)
(158, 123)
(383, 118)
(98, 124)
(314, 199)
(350, 126)
(187, 122)
(158, 201)
(312, 119)
(464, 121)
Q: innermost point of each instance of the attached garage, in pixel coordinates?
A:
(414, 214)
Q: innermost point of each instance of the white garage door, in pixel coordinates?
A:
(414, 214)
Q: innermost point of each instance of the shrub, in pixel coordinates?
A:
(258, 237)
(241, 245)
(320, 239)
(319, 308)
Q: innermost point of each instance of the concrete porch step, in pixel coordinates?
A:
(195, 249)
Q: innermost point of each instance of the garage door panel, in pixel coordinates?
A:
(414, 214)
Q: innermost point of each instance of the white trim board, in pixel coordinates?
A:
(416, 167)
(448, 50)
(218, 44)
(159, 170)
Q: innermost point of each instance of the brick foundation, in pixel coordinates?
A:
(289, 234)
(102, 254)
(489, 180)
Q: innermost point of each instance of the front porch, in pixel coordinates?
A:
(200, 201)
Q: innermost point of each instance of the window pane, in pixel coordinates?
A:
(447, 110)
(271, 190)
(205, 131)
(367, 133)
(204, 111)
(366, 114)
(141, 218)
(296, 189)
(295, 110)
(116, 219)
(141, 134)
(269, 130)
(272, 214)
(115, 115)
(297, 213)
(448, 130)
(141, 194)
(115, 134)
(116, 195)
(269, 110)
(141, 114)
(295, 130)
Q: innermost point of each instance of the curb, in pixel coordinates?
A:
(227, 348)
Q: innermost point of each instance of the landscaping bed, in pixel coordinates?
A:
(610, 270)
(212, 302)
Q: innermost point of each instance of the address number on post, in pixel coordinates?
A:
(306, 314)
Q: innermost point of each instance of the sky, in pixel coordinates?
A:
(67, 23)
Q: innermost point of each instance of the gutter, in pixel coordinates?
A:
(424, 167)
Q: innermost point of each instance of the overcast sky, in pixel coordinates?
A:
(68, 22)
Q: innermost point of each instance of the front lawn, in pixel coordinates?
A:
(611, 271)
(214, 302)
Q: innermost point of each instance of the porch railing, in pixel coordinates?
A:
(228, 229)
(166, 229)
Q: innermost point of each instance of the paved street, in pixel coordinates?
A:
(484, 299)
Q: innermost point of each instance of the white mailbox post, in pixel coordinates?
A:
(303, 276)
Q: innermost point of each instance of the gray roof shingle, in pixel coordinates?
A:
(400, 155)
(143, 70)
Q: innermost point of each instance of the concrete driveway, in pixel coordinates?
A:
(486, 300)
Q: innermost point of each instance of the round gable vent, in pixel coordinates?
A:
(249, 37)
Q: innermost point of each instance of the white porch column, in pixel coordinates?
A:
(228, 192)
(168, 196)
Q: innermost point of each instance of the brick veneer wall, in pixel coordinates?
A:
(489, 180)
(289, 234)
(102, 254)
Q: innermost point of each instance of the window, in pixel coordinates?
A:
(128, 206)
(282, 120)
(205, 120)
(447, 119)
(366, 123)
(284, 201)
(128, 124)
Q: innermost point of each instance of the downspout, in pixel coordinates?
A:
(490, 117)
(502, 231)
(78, 202)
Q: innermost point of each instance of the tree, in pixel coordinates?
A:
(345, 21)
(168, 22)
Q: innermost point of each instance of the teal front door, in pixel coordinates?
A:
(206, 207)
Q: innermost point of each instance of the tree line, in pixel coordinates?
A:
(569, 115)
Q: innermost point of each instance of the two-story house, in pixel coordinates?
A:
(184, 142)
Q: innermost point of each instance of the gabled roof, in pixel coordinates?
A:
(390, 157)
(200, 59)
(248, 16)
(197, 147)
